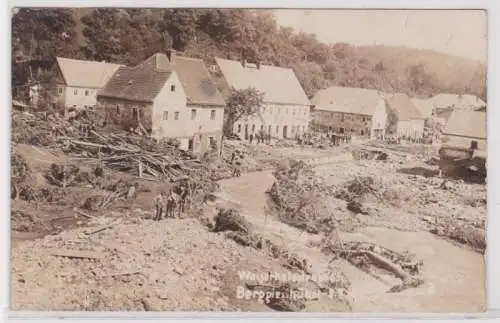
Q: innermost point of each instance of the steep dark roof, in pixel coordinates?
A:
(145, 81)
(196, 81)
(140, 83)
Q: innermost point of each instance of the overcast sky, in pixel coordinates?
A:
(457, 32)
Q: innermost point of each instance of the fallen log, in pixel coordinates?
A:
(78, 254)
(80, 212)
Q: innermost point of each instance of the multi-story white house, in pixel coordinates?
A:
(285, 109)
(79, 81)
(169, 96)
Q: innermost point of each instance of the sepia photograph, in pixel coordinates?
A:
(248, 160)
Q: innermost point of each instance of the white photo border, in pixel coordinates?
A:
(493, 238)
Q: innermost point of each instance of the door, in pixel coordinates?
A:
(285, 128)
(473, 145)
(246, 132)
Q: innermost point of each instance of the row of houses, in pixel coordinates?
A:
(173, 96)
(169, 95)
(369, 113)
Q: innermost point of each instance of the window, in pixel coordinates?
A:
(277, 129)
(341, 130)
(86, 92)
(305, 111)
(473, 144)
(212, 115)
(193, 114)
(117, 109)
(176, 115)
(134, 113)
(60, 90)
(293, 111)
(239, 128)
(261, 127)
(172, 88)
(75, 92)
(165, 115)
(362, 132)
(342, 118)
(253, 128)
(279, 110)
(286, 111)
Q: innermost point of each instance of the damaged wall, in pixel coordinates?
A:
(122, 114)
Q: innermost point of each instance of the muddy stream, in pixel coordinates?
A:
(455, 276)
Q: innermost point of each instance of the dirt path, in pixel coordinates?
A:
(455, 276)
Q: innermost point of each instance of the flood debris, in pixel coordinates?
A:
(231, 220)
(367, 256)
(298, 197)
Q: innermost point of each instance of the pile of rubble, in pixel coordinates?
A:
(43, 128)
(299, 197)
(369, 154)
(371, 258)
(236, 228)
(360, 193)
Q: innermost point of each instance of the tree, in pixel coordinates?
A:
(392, 121)
(245, 102)
(420, 81)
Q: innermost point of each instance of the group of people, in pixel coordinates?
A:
(338, 139)
(260, 137)
(177, 198)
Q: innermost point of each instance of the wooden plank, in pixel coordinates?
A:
(80, 212)
(78, 254)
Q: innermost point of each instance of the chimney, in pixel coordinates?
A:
(171, 56)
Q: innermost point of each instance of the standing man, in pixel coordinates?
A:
(160, 205)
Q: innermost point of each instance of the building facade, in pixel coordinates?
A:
(278, 120)
(285, 109)
(78, 82)
(410, 122)
(169, 97)
(361, 112)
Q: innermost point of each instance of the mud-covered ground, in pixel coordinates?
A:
(135, 263)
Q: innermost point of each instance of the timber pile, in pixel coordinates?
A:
(127, 152)
(42, 129)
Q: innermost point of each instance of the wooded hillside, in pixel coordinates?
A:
(128, 36)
